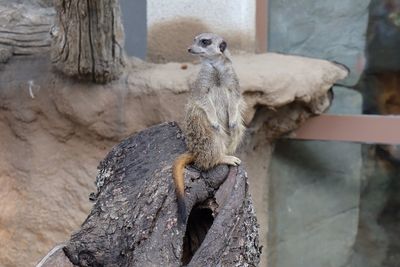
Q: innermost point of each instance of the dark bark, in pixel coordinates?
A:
(134, 218)
(88, 39)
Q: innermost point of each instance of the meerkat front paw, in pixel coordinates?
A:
(231, 160)
(216, 126)
(232, 125)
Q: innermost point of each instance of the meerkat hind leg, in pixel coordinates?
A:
(230, 160)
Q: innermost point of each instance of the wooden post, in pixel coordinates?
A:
(88, 39)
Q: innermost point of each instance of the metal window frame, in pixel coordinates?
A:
(370, 129)
(261, 25)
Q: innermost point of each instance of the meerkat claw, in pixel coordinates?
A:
(237, 161)
(231, 160)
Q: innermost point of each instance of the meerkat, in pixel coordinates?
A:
(213, 123)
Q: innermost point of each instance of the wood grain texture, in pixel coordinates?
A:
(26, 40)
(88, 39)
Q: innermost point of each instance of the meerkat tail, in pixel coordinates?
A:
(177, 173)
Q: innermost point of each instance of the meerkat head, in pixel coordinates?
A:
(208, 46)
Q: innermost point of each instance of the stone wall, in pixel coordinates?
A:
(314, 201)
(315, 187)
(333, 30)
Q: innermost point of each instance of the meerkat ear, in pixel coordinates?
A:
(222, 46)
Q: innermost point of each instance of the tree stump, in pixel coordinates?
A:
(88, 39)
(134, 221)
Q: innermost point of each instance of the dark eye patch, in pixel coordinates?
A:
(205, 42)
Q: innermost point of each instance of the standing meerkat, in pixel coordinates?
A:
(213, 124)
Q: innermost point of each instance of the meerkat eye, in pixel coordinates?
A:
(205, 42)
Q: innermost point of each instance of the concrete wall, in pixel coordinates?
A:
(134, 16)
(173, 24)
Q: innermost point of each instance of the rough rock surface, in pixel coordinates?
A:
(24, 28)
(333, 30)
(263, 79)
(377, 240)
(54, 131)
(383, 36)
(315, 197)
(377, 243)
